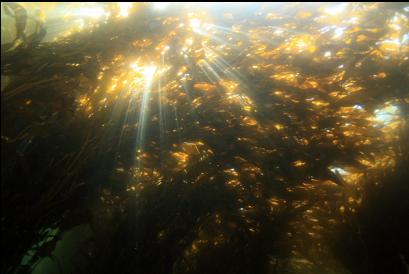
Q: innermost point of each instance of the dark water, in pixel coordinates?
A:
(205, 138)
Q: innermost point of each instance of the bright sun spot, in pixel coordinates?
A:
(146, 71)
(386, 115)
(335, 10)
(124, 8)
(160, 5)
(92, 12)
(338, 170)
(195, 23)
(149, 71)
(338, 32)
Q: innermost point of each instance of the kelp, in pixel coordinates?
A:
(212, 142)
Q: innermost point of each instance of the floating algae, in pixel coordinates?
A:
(205, 138)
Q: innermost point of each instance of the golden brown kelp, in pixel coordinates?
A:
(373, 239)
(212, 142)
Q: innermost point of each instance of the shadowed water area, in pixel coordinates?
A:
(205, 138)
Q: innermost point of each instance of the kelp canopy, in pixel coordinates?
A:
(240, 138)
